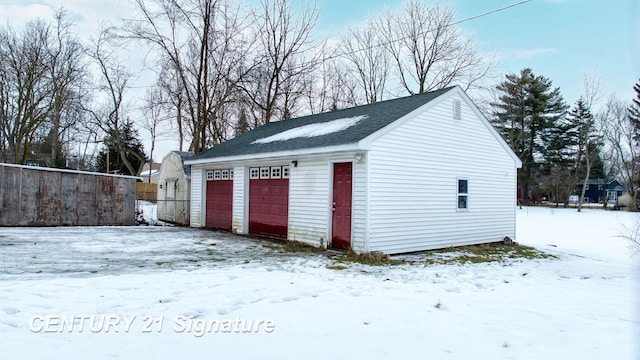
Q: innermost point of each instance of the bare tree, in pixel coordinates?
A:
(109, 113)
(67, 72)
(285, 57)
(330, 87)
(429, 51)
(200, 44)
(154, 118)
(25, 91)
(368, 60)
(619, 136)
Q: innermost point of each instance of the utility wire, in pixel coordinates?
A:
(344, 53)
(427, 31)
(491, 12)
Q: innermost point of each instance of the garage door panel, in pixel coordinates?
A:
(219, 211)
(269, 207)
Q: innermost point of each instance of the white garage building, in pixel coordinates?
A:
(415, 173)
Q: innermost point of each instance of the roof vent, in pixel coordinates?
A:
(456, 109)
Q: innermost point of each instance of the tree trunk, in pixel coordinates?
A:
(585, 183)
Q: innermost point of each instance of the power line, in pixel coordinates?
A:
(427, 31)
(344, 53)
(491, 12)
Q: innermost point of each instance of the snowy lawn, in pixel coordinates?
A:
(156, 287)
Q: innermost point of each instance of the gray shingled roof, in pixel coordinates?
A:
(379, 114)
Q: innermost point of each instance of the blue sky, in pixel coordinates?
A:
(559, 39)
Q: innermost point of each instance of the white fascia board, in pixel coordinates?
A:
(273, 155)
(365, 144)
(490, 127)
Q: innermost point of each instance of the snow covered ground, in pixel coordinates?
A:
(156, 287)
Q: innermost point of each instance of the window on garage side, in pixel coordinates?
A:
(285, 172)
(209, 175)
(463, 194)
(225, 174)
(254, 173)
(216, 174)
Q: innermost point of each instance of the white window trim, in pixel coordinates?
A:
(285, 172)
(257, 173)
(276, 172)
(217, 175)
(265, 172)
(225, 174)
(458, 194)
(209, 175)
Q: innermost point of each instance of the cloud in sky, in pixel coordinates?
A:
(20, 12)
(530, 53)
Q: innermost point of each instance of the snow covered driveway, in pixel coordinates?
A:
(36, 253)
(160, 292)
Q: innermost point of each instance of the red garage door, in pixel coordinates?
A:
(269, 201)
(219, 199)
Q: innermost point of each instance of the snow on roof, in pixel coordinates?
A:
(313, 130)
(146, 172)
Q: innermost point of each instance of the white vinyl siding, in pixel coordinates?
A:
(240, 193)
(309, 196)
(197, 211)
(359, 228)
(413, 173)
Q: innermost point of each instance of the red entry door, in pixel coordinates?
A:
(219, 204)
(341, 223)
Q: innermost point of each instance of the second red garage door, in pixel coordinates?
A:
(269, 201)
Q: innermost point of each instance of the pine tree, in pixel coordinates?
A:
(634, 118)
(242, 126)
(634, 112)
(581, 132)
(528, 109)
(126, 141)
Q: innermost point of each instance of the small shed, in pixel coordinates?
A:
(415, 173)
(174, 188)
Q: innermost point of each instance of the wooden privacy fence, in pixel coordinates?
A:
(147, 191)
(34, 196)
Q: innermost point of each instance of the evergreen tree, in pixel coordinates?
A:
(634, 111)
(527, 110)
(634, 118)
(242, 126)
(582, 138)
(126, 141)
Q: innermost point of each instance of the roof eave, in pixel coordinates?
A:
(277, 154)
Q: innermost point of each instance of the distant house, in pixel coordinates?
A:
(415, 173)
(598, 190)
(174, 188)
(36, 162)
